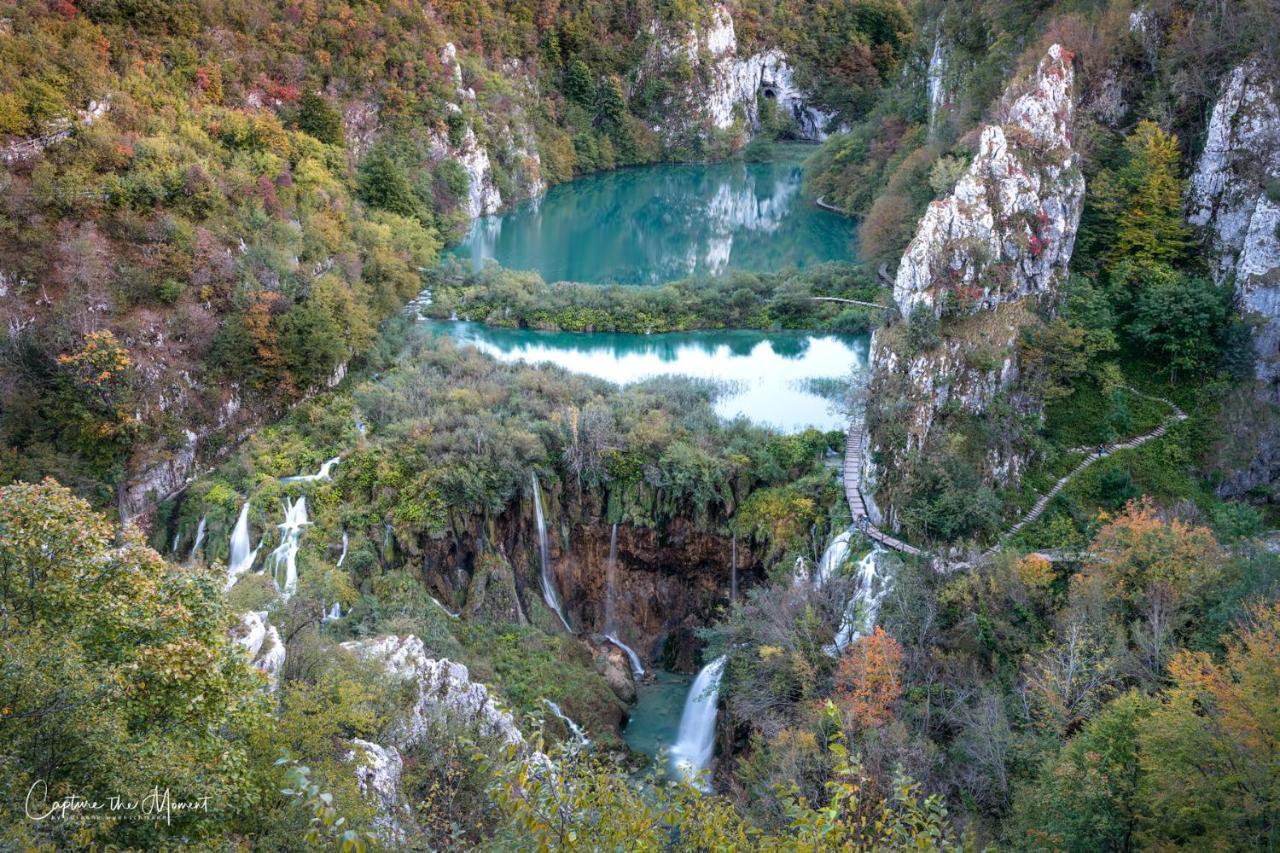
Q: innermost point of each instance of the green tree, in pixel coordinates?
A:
(1182, 319)
(116, 675)
(1087, 797)
(385, 184)
(579, 85)
(319, 118)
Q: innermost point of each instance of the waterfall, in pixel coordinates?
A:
(241, 558)
(452, 615)
(388, 543)
(861, 611)
(335, 612)
(733, 569)
(548, 583)
(286, 554)
(637, 669)
(173, 549)
(611, 580)
(834, 556)
(574, 729)
(345, 541)
(695, 741)
(199, 536)
(324, 474)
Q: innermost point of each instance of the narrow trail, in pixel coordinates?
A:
(852, 475)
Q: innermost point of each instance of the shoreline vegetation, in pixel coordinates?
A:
(795, 300)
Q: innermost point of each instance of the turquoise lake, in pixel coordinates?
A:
(651, 224)
(777, 379)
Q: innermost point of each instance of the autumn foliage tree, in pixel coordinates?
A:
(1211, 750)
(869, 679)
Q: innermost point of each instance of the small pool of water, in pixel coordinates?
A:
(652, 224)
(780, 379)
(655, 718)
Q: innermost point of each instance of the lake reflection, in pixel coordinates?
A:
(768, 376)
(659, 223)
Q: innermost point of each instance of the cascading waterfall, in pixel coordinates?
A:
(335, 612)
(834, 556)
(733, 569)
(439, 604)
(241, 558)
(324, 473)
(637, 669)
(574, 729)
(199, 536)
(695, 741)
(861, 611)
(548, 583)
(345, 541)
(286, 554)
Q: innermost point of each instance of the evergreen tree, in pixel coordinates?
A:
(578, 85)
(318, 117)
(384, 184)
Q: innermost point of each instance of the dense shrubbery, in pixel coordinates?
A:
(735, 300)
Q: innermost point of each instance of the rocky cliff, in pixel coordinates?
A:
(1235, 194)
(982, 259)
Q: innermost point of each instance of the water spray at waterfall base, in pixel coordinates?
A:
(696, 739)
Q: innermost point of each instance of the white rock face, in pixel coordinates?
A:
(514, 137)
(444, 688)
(444, 691)
(262, 642)
(732, 82)
(1008, 228)
(378, 772)
(1227, 194)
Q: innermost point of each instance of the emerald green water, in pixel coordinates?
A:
(655, 718)
(777, 379)
(659, 223)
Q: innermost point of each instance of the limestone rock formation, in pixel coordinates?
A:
(261, 640)
(981, 258)
(1008, 228)
(733, 83)
(1235, 193)
(444, 691)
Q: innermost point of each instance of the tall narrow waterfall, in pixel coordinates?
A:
(345, 541)
(611, 581)
(199, 536)
(285, 556)
(241, 558)
(695, 741)
(733, 569)
(549, 592)
(861, 611)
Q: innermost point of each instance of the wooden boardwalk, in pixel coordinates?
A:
(854, 453)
